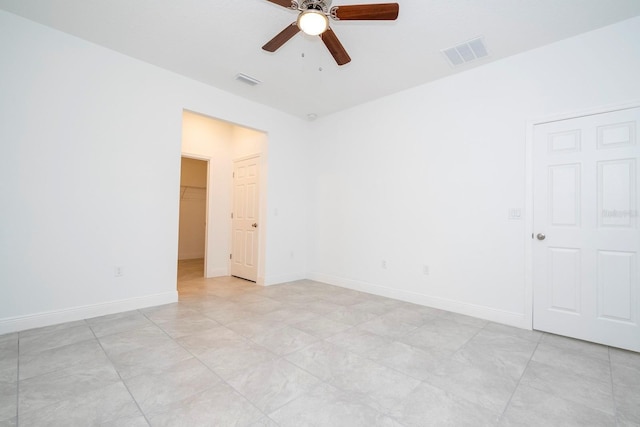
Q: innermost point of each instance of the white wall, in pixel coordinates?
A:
(247, 142)
(89, 177)
(427, 176)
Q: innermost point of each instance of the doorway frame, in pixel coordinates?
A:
(206, 203)
(529, 198)
(217, 171)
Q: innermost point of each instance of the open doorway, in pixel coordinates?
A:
(222, 144)
(192, 230)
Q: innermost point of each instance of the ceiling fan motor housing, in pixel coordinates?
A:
(321, 5)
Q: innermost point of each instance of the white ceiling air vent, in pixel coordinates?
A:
(465, 52)
(247, 79)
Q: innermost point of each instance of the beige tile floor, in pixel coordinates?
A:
(307, 354)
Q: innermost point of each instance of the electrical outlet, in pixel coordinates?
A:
(383, 264)
(425, 270)
(118, 271)
(292, 255)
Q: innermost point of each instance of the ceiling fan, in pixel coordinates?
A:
(314, 20)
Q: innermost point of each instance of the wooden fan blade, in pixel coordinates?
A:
(283, 3)
(335, 47)
(367, 12)
(282, 37)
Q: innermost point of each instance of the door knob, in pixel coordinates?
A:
(254, 225)
(541, 236)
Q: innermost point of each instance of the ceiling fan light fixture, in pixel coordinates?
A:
(313, 22)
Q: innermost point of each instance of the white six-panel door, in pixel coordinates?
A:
(244, 251)
(586, 278)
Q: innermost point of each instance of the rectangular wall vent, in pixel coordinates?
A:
(247, 79)
(466, 52)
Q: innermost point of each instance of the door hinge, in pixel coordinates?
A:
(230, 256)
(233, 175)
(231, 215)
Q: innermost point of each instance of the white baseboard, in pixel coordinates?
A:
(495, 315)
(283, 278)
(38, 320)
(217, 272)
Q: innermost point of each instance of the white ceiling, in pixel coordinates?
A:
(213, 40)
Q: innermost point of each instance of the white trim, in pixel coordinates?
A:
(528, 227)
(283, 278)
(499, 316)
(248, 157)
(195, 156)
(206, 205)
(218, 272)
(529, 202)
(608, 108)
(48, 318)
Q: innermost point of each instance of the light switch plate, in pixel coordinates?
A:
(515, 213)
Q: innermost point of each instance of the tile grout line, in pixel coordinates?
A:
(515, 390)
(283, 357)
(321, 382)
(613, 393)
(390, 368)
(118, 372)
(471, 338)
(324, 340)
(18, 385)
(422, 349)
(382, 364)
(21, 346)
(363, 403)
(207, 366)
(425, 381)
(356, 327)
(569, 399)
